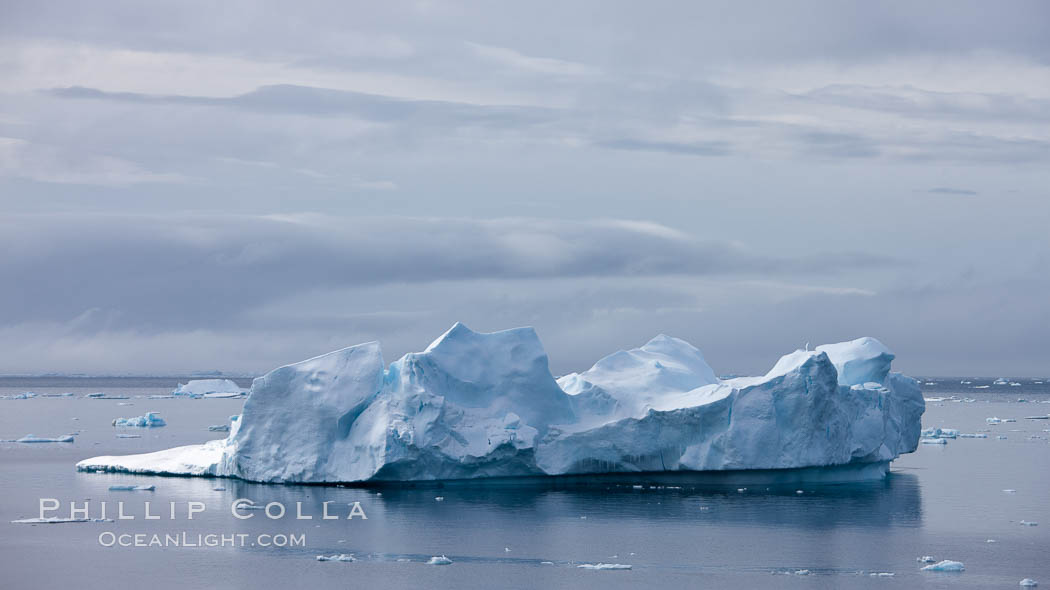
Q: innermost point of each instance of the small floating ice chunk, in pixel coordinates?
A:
(219, 428)
(439, 560)
(30, 438)
(218, 489)
(59, 520)
(123, 435)
(926, 559)
(439, 498)
(1029, 523)
(336, 557)
(945, 566)
(1001, 437)
(994, 420)
(940, 433)
(1009, 491)
(604, 566)
(546, 563)
(934, 441)
(801, 572)
(1047, 417)
(149, 420)
(882, 574)
(132, 488)
(991, 541)
(1028, 583)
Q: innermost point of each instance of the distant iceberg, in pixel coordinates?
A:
(476, 405)
(945, 566)
(149, 420)
(209, 388)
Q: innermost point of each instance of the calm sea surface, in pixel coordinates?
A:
(943, 501)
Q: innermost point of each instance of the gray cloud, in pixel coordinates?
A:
(323, 102)
(467, 162)
(198, 270)
(947, 190)
(700, 148)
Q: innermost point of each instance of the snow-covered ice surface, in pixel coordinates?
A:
(476, 405)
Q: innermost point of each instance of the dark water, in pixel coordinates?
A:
(944, 501)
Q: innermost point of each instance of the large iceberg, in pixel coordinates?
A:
(476, 405)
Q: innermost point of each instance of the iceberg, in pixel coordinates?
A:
(945, 566)
(485, 405)
(1028, 583)
(149, 420)
(439, 560)
(209, 388)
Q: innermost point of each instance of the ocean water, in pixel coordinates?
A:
(944, 501)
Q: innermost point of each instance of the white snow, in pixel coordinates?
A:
(149, 420)
(439, 560)
(209, 388)
(475, 405)
(604, 566)
(945, 566)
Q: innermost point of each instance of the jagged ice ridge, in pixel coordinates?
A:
(476, 405)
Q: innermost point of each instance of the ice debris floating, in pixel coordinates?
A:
(945, 566)
(59, 520)
(209, 388)
(132, 488)
(31, 438)
(439, 560)
(219, 428)
(475, 405)
(149, 420)
(940, 433)
(604, 566)
(925, 559)
(1028, 583)
(337, 557)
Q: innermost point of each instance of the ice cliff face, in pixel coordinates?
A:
(486, 405)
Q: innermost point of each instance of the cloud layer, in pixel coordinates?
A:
(750, 177)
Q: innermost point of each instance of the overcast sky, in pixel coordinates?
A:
(217, 185)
